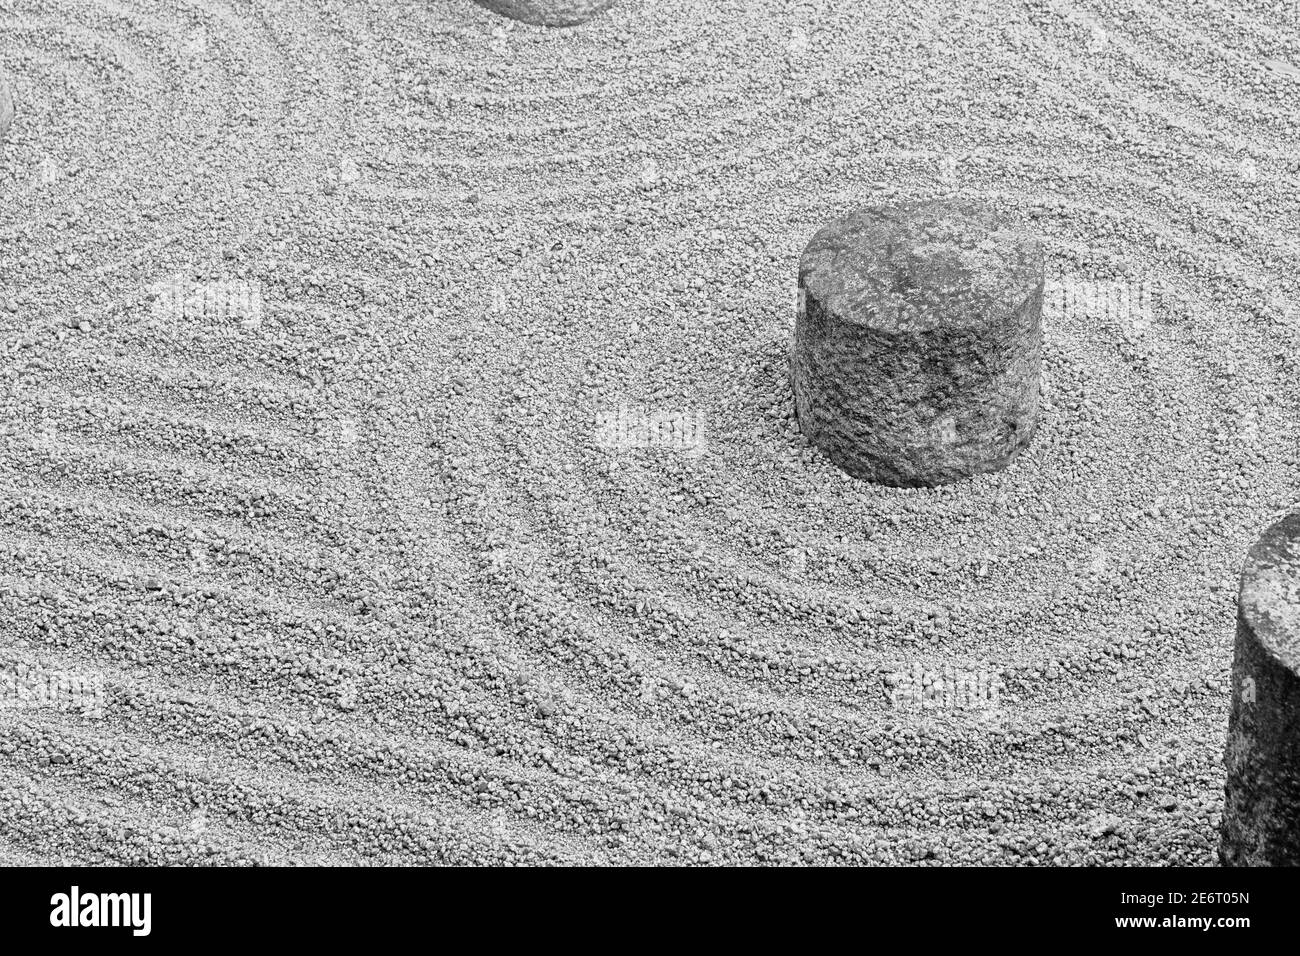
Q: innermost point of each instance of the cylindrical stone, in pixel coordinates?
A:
(548, 13)
(917, 352)
(1261, 813)
(6, 108)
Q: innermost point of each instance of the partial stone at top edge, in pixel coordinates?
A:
(548, 13)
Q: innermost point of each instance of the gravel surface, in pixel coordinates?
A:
(315, 318)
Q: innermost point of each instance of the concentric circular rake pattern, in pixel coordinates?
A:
(455, 510)
(171, 112)
(510, 144)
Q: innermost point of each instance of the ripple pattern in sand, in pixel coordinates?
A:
(365, 580)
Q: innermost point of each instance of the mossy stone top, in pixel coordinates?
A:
(921, 265)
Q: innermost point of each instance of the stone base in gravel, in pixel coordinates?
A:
(6, 109)
(1261, 814)
(917, 352)
(548, 13)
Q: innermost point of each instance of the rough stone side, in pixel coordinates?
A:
(6, 109)
(548, 13)
(1261, 816)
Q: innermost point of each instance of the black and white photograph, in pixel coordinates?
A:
(609, 435)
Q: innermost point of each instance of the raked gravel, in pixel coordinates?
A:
(338, 339)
